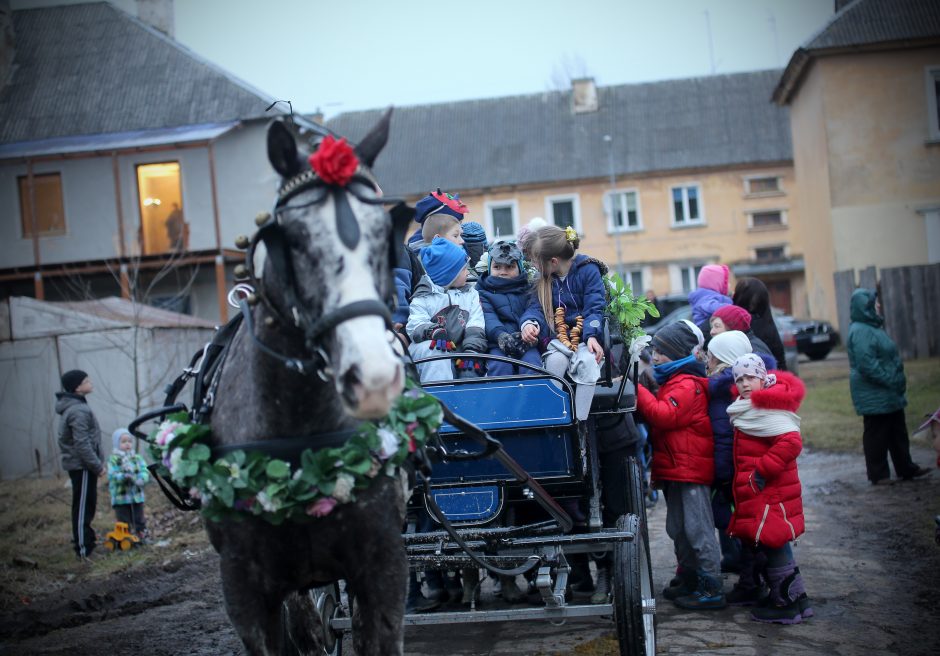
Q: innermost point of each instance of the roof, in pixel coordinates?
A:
(92, 69)
(659, 126)
(185, 134)
(863, 25)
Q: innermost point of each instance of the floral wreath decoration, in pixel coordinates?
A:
(251, 483)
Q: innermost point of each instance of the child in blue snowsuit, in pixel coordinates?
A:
(511, 311)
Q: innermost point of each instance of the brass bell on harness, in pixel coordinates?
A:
(242, 242)
(241, 272)
(262, 218)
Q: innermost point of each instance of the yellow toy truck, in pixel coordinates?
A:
(120, 538)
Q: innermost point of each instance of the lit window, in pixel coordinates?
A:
(686, 208)
(49, 212)
(163, 227)
(625, 215)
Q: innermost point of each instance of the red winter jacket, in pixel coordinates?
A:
(681, 433)
(772, 516)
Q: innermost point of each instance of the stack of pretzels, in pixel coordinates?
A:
(569, 339)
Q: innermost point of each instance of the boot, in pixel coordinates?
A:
(749, 589)
(708, 594)
(579, 579)
(686, 584)
(602, 587)
(783, 606)
(471, 586)
(434, 579)
(510, 591)
(731, 557)
(416, 602)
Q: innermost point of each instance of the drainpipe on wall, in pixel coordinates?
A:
(39, 290)
(219, 259)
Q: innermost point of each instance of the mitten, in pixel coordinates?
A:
(440, 340)
(474, 341)
(511, 344)
(757, 480)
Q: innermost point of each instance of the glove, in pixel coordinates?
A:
(512, 345)
(637, 347)
(757, 480)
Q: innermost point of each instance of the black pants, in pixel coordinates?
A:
(613, 475)
(84, 500)
(886, 434)
(132, 514)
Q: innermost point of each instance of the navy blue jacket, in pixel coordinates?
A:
(719, 398)
(582, 292)
(507, 304)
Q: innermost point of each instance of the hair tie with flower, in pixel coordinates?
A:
(254, 483)
(571, 234)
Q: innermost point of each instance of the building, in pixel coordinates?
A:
(659, 178)
(864, 95)
(127, 162)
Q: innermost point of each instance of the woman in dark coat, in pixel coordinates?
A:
(752, 295)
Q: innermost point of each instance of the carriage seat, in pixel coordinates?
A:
(605, 398)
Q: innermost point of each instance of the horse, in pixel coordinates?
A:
(324, 284)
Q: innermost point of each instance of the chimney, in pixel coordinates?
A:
(158, 14)
(7, 50)
(584, 95)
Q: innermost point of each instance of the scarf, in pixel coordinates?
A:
(689, 365)
(762, 422)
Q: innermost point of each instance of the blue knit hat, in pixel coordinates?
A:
(472, 233)
(439, 202)
(443, 260)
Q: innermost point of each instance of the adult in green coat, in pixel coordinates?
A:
(878, 389)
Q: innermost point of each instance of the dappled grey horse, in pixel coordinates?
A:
(319, 362)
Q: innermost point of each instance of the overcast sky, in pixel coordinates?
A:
(358, 54)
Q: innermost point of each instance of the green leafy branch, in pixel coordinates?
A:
(627, 310)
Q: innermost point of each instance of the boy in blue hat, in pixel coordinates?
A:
(445, 313)
(513, 315)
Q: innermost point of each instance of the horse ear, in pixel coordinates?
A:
(282, 150)
(373, 143)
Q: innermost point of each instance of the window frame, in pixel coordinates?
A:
(609, 195)
(785, 247)
(488, 207)
(931, 79)
(675, 275)
(687, 223)
(140, 202)
(784, 220)
(575, 199)
(28, 234)
(748, 193)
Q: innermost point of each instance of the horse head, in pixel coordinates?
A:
(326, 271)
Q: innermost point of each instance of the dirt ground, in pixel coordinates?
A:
(869, 560)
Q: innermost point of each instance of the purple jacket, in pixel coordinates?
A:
(704, 302)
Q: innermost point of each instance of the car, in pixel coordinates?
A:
(815, 338)
(677, 314)
(666, 304)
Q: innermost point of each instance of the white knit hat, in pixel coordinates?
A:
(729, 346)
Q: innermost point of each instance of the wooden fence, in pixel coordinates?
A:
(910, 299)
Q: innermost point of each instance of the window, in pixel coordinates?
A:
(502, 219)
(933, 102)
(163, 228)
(766, 219)
(762, 186)
(49, 212)
(686, 206)
(684, 277)
(624, 211)
(563, 211)
(635, 279)
(770, 253)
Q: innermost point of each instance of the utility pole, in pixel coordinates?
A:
(610, 203)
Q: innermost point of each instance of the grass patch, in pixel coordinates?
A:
(35, 524)
(829, 419)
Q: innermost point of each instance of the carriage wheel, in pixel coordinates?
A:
(305, 622)
(637, 504)
(634, 600)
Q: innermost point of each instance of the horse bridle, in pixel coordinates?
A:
(271, 233)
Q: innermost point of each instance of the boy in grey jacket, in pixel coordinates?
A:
(79, 442)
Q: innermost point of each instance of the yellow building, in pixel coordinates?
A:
(659, 178)
(863, 96)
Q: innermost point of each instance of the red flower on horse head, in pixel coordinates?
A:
(335, 161)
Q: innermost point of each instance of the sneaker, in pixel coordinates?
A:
(602, 587)
(684, 585)
(708, 595)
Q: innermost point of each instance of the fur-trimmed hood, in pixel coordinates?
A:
(786, 394)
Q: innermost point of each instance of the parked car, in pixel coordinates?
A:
(814, 338)
(666, 304)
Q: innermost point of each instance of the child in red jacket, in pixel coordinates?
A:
(768, 511)
(684, 463)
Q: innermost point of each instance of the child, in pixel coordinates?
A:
(570, 289)
(768, 511)
(127, 475)
(435, 203)
(512, 314)
(445, 313)
(723, 350)
(711, 294)
(733, 317)
(684, 463)
(474, 241)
